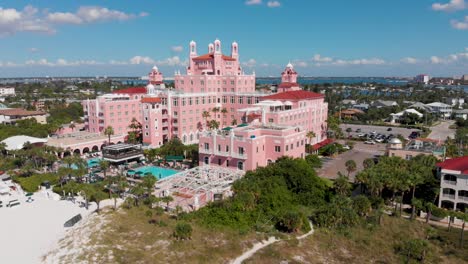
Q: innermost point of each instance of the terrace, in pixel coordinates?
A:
(192, 189)
(122, 152)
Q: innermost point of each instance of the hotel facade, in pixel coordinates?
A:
(214, 88)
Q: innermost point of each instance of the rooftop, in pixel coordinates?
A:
(293, 95)
(209, 56)
(131, 90)
(456, 164)
(19, 112)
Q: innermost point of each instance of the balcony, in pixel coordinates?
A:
(165, 124)
(450, 196)
(175, 124)
(205, 151)
(165, 116)
(238, 155)
(450, 182)
(165, 131)
(223, 153)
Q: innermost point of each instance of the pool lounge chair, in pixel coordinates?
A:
(12, 203)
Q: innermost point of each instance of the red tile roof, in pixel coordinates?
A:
(322, 144)
(151, 100)
(288, 85)
(19, 112)
(209, 56)
(293, 95)
(455, 164)
(131, 90)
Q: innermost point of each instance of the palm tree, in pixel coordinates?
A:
(367, 163)
(310, 135)
(342, 185)
(104, 164)
(72, 126)
(109, 131)
(350, 166)
(206, 115)
(224, 111)
(234, 122)
(213, 124)
(2, 148)
(136, 128)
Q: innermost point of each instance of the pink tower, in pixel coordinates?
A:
(288, 80)
(155, 77)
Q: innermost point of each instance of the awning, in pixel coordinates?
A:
(243, 125)
(227, 129)
(174, 158)
(322, 144)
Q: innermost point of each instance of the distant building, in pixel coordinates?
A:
(422, 78)
(362, 107)
(7, 91)
(465, 78)
(454, 183)
(12, 115)
(349, 102)
(414, 148)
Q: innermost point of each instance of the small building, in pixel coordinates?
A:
(361, 106)
(384, 103)
(456, 101)
(453, 175)
(424, 146)
(463, 114)
(12, 115)
(7, 91)
(398, 117)
(349, 102)
(349, 113)
(18, 142)
(441, 109)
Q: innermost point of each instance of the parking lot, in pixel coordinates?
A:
(366, 129)
(360, 152)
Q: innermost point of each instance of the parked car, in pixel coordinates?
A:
(370, 142)
(346, 147)
(389, 129)
(358, 130)
(362, 135)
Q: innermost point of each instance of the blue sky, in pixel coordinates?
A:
(321, 38)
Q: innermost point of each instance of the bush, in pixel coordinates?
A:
(183, 231)
(413, 249)
(30, 184)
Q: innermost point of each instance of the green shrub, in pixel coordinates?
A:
(30, 184)
(183, 231)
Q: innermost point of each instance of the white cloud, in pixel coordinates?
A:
(143, 14)
(177, 48)
(461, 25)
(172, 61)
(33, 50)
(31, 20)
(319, 58)
(59, 62)
(250, 63)
(26, 20)
(273, 4)
(301, 64)
(372, 61)
(453, 5)
(116, 62)
(141, 60)
(64, 18)
(409, 60)
(253, 2)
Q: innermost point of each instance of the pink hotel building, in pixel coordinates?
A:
(270, 125)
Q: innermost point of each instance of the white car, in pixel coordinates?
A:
(370, 142)
(346, 147)
(361, 135)
(380, 140)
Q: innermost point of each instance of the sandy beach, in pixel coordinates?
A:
(31, 230)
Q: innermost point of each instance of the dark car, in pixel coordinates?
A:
(389, 129)
(358, 130)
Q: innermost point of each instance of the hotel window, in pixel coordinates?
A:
(183, 101)
(207, 160)
(224, 89)
(277, 149)
(297, 144)
(224, 99)
(249, 100)
(196, 100)
(270, 120)
(118, 107)
(241, 99)
(227, 148)
(227, 163)
(256, 100)
(174, 102)
(207, 146)
(241, 150)
(190, 101)
(232, 99)
(219, 162)
(209, 99)
(175, 113)
(224, 82)
(232, 82)
(191, 82)
(232, 90)
(219, 147)
(203, 100)
(292, 146)
(240, 165)
(202, 82)
(111, 114)
(147, 134)
(287, 147)
(111, 107)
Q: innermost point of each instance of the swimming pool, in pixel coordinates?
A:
(157, 172)
(94, 162)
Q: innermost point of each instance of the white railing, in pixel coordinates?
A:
(239, 155)
(450, 182)
(450, 196)
(205, 151)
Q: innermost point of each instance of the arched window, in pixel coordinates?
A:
(240, 165)
(184, 138)
(193, 48)
(191, 137)
(217, 47)
(207, 160)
